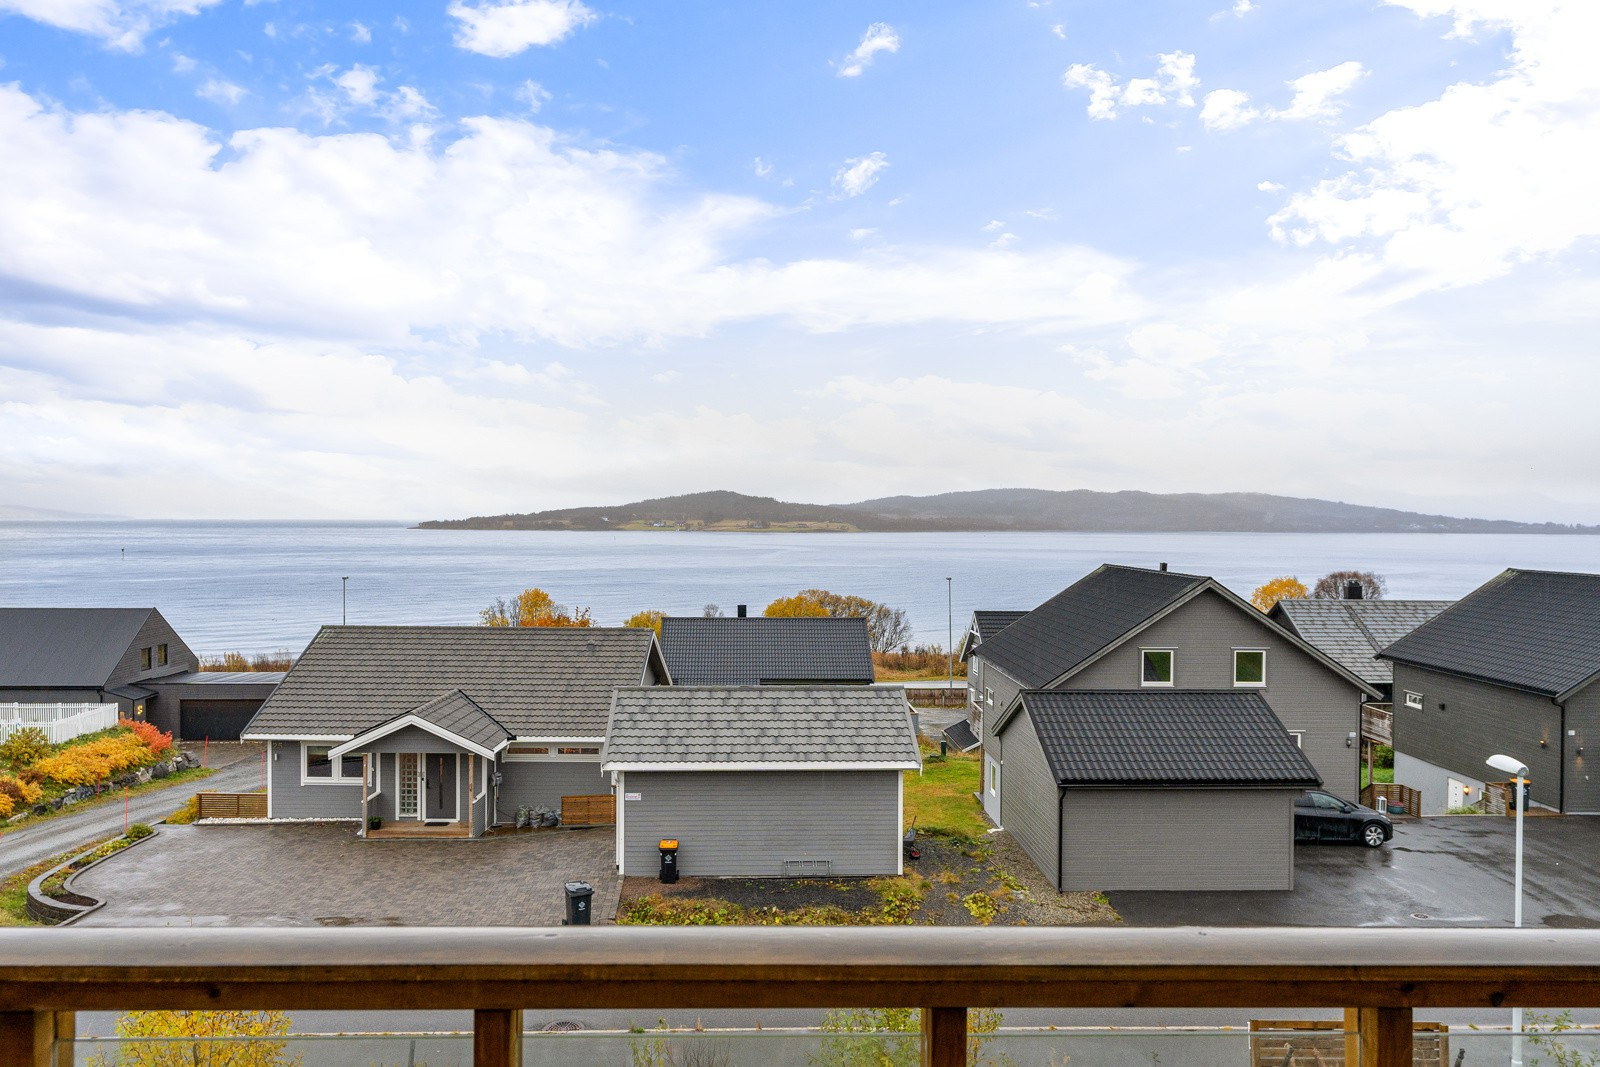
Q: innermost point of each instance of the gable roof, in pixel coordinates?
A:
(535, 681)
(760, 727)
(1166, 738)
(1095, 611)
(453, 716)
(1532, 630)
(1352, 632)
(65, 647)
(985, 624)
(762, 651)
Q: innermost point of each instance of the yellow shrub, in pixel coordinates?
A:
(6, 807)
(20, 793)
(97, 760)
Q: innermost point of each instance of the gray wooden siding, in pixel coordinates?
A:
(1477, 720)
(1133, 839)
(155, 631)
(1583, 772)
(748, 822)
(1005, 689)
(542, 783)
(291, 800)
(1029, 798)
(1306, 695)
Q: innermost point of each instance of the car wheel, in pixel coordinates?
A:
(1372, 835)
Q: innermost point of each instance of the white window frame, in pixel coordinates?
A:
(994, 777)
(1299, 739)
(554, 753)
(336, 778)
(1172, 669)
(1237, 684)
(988, 698)
(1413, 700)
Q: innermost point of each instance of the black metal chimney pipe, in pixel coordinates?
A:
(741, 611)
(1352, 590)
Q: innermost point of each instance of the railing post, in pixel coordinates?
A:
(497, 1038)
(944, 1037)
(1385, 1037)
(27, 1038)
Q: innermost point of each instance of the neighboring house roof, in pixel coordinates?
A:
(1167, 738)
(1352, 632)
(763, 651)
(66, 648)
(263, 679)
(760, 727)
(535, 681)
(985, 624)
(453, 716)
(1532, 630)
(959, 734)
(1095, 611)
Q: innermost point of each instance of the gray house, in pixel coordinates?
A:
(766, 651)
(761, 781)
(1513, 668)
(1126, 628)
(1152, 789)
(131, 657)
(968, 735)
(446, 729)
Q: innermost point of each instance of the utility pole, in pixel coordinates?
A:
(950, 636)
(344, 613)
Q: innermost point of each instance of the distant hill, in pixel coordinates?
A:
(1080, 510)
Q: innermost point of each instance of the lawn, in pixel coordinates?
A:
(1384, 775)
(943, 796)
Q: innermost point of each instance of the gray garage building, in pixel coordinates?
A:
(1152, 790)
(759, 781)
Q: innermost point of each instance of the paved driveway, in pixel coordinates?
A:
(323, 875)
(1446, 871)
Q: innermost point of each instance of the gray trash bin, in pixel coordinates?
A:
(579, 897)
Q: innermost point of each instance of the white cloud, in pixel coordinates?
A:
(360, 33)
(220, 91)
(359, 89)
(502, 28)
(992, 225)
(1239, 10)
(861, 233)
(880, 37)
(1316, 96)
(121, 24)
(762, 168)
(1004, 240)
(1059, 30)
(1227, 109)
(1173, 82)
(533, 94)
(858, 175)
(182, 64)
(360, 85)
(1269, 187)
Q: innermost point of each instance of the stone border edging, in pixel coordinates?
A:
(46, 909)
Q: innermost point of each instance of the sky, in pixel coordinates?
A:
(434, 258)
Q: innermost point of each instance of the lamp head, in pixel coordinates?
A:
(1505, 764)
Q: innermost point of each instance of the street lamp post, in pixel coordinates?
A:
(1519, 773)
(950, 636)
(344, 614)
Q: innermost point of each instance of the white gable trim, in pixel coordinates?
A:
(396, 725)
(817, 765)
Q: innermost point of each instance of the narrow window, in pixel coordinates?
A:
(1249, 667)
(1414, 700)
(161, 655)
(144, 659)
(1299, 738)
(1157, 667)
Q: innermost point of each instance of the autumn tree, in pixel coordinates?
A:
(798, 606)
(711, 611)
(532, 607)
(1331, 586)
(645, 620)
(887, 628)
(1284, 588)
(212, 1038)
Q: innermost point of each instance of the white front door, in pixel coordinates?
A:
(408, 793)
(1458, 794)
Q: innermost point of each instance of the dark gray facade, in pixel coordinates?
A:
(206, 704)
(542, 783)
(748, 823)
(89, 656)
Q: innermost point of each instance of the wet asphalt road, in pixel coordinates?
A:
(1448, 871)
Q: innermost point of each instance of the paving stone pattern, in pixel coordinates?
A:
(323, 875)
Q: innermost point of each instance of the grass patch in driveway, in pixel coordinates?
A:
(14, 890)
(941, 798)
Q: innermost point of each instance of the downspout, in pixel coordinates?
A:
(1061, 820)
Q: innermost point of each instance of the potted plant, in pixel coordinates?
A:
(374, 822)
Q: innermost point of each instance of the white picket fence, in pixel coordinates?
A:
(59, 722)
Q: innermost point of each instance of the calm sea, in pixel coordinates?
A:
(259, 586)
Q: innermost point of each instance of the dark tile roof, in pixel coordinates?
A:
(985, 624)
(1082, 619)
(535, 681)
(1167, 738)
(1352, 632)
(807, 725)
(762, 651)
(65, 647)
(259, 679)
(1532, 630)
(959, 734)
(457, 713)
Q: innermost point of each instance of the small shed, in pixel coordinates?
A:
(760, 781)
(1139, 790)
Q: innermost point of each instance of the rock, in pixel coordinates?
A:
(143, 774)
(161, 770)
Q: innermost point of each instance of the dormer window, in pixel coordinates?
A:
(1156, 666)
(1249, 667)
(144, 659)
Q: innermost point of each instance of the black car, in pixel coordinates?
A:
(1320, 816)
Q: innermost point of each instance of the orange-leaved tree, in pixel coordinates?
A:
(1285, 588)
(798, 606)
(211, 1038)
(649, 619)
(533, 607)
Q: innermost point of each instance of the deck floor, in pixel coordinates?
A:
(391, 831)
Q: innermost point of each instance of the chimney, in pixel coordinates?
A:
(741, 611)
(1163, 566)
(1352, 590)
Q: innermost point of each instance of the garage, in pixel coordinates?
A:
(198, 705)
(1152, 790)
(760, 782)
(219, 720)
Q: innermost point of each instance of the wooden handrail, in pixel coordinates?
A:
(1382, 972)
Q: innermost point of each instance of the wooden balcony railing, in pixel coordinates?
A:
(1377, 724)
(1378, 975)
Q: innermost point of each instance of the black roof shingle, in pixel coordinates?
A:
(1532, 630)
(65, 647)
(1167, 738)
(1351, 632)
(764, 651)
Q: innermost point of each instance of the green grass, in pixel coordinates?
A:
(109, 795)
(14, 890)
(1384, 775)
(941, 797)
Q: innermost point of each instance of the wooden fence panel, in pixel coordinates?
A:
(597, 810)
(231, 805)
(1403, 800)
